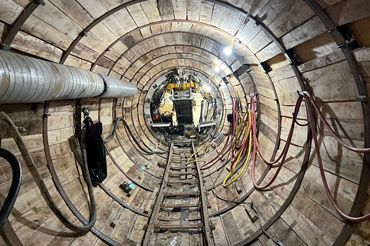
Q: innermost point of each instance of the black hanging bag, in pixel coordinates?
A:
(95, 150)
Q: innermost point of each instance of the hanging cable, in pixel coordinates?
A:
(42, 187)
(14, 187)
(309, 101)
(284, 152)
(137, 142)
(245, 162)
(322, 171)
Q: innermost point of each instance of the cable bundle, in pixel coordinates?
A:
(310, 105)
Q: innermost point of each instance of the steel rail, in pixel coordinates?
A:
(155, 212)
(203, 201)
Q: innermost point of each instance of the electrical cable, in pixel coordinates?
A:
(42, 187)
(295, 120)
(205, 146)
(246, 161)
(14, 187)
(242, 202)
(217, 157)
(322, 171)
(235, 162)
(309, 98)
(263, 230)
(137, 142)
(115, 125)
(284, 152)
(309, 101)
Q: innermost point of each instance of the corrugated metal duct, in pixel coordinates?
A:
(26, 80)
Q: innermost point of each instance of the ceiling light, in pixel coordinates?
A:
(217, 68)
(228, 50)
(207, 88)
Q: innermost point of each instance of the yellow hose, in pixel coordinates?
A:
(224, 184)
(240, 153)
(204, 146)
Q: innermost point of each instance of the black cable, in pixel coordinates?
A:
(264, 231)
(138, 144)
(42, 187)
(242, 202)
(295, 120)
(115, 125)
(14, 187)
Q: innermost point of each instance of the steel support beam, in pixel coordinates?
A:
(93, 24)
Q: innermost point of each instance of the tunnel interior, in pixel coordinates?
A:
(171, 81)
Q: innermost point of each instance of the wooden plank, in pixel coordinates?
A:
(355, 10)
(298, 13)
(333, 83)
(206, 10)
(275, 8)
(74, 11)
(322, 44)
(257, 7)
(243, 223)
(219, 232)
(9, 11)
(128, 21)
(322, 61)
(151, 10)
(95, 8)
(138, 14)
(268, 52)
(193, 10)
(307, 31)
(35, 46)
(49, 13)
(84, 52)
(166, 9)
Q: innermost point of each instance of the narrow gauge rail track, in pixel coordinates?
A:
(180, 212)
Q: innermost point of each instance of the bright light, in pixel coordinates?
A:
(208, 88)
(217, 69)
(228, 50)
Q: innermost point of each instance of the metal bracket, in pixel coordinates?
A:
(362, 98)
(42, 2)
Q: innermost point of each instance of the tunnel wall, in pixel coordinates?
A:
(148, 48)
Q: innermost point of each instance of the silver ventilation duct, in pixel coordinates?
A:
(25, 80)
